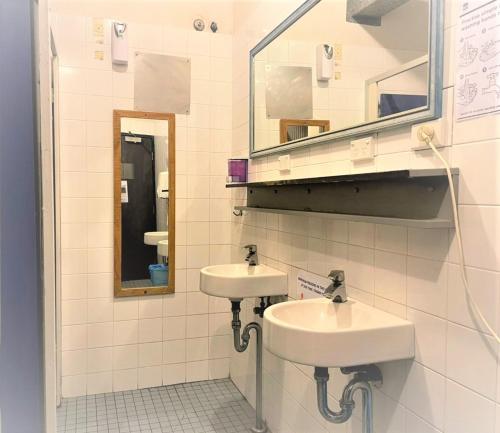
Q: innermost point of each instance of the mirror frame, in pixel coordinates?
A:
(435, 87)
(117, 232)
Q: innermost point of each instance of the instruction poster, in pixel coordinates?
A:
(311, 285)
(477, 83)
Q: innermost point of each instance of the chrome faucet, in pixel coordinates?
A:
(252, 258)
(336, 291)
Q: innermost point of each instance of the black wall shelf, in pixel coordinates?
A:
(416, 198)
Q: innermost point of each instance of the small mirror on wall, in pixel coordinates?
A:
(144, 203)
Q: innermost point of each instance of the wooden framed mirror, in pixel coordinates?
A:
(144, 203)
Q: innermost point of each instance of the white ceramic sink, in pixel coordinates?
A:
(152, 238)
(322, 333)
(163, 248)
(238, 281)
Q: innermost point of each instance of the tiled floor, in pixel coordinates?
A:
(203, 407)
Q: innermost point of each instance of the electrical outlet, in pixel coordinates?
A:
(439, 139)
(362, 149)
(284, 162)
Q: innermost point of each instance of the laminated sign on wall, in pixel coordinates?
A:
(477, 83)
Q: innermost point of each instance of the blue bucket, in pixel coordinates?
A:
(158, 274)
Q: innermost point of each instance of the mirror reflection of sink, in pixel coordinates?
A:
(238, 281)
(163, 248)
(322, 333)
(152, 238)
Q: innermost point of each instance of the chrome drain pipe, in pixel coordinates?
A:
(241, 342)
(361, 381)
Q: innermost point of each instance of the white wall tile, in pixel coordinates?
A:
(197, 303)
(126, 332)
(475, 189)
(150, 330)
(99, 360)
(98, 82)
(174, 373)
(74, 362)
(466, 350)
(149, 377)
(390, 276)
(427, 285)
(125, 357)
(100, 310)
(414, 424)
(361, 272)
(218, 368)
(430, 339)
(100, 334)
(124, 380)
(74, 337)
(174, 351)
(174, 328)
(428, 243)
(425, 395)
(150, 307)
(484, 287)
(150, 354)
(361, 234)
(74, 386)
(481, 236)
(467, 411)
(196, 349)
(197, 326)
(74, 312)
(99, 159)
(197, 371)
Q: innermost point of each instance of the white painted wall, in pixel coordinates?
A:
(116, 344)
(452, 386)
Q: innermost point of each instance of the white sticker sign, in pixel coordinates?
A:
(124, 191)
(311, 285)
(477, 82)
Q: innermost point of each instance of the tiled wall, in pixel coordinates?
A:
(453, 385)
(116, 344)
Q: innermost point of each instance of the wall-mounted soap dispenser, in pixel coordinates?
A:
(324, 62)
(119, 43)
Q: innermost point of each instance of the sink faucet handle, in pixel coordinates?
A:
(251, 257)
(252, 248)
(338, 277)
(336, 291)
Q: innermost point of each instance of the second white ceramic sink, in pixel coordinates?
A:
(322, 333)
(163, 248)
(238, 281)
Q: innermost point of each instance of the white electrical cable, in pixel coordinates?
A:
(426, 134)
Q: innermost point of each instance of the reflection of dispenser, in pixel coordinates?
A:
(162, 187)
(324, 62)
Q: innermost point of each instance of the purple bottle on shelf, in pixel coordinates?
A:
(237, 170)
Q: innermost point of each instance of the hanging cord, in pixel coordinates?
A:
(426, 134)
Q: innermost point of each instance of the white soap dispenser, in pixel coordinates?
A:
(324, 62)
(119, 43)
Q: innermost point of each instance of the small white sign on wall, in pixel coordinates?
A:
(477, 81)
(124, 191)
(311, 285)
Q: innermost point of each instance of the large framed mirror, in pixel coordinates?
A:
(354, 66)
(144, 203)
